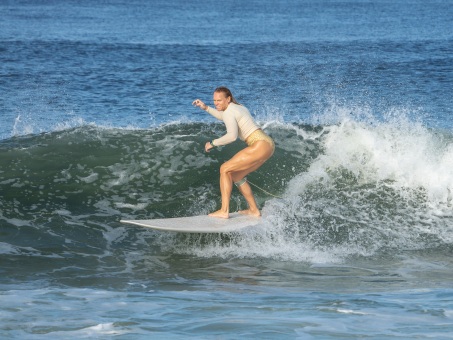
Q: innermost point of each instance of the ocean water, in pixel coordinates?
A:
(97, 125)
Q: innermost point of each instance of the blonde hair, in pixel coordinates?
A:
(226, 91)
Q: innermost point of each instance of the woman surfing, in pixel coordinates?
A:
(260, 147)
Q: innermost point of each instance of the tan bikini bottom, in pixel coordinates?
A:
(259, 135)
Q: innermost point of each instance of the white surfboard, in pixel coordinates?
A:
(198, 224)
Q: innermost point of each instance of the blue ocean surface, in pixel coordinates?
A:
(356, 238)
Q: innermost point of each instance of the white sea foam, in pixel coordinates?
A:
(6, 248)
(374, 185)
(399, 151)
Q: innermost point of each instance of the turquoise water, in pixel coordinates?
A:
(97, 125)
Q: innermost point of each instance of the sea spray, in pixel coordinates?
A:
(355, 188)
(374, 187)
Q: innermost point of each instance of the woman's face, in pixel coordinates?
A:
(220, 101)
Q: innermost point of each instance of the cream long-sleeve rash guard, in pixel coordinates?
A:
(238, 122)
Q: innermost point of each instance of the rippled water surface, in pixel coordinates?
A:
(97, 125)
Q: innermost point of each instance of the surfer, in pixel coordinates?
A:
(260, 147)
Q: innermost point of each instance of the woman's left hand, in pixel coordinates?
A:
(208, 146)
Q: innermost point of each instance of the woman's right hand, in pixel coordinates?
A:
(200, 104)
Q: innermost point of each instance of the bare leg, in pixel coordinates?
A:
(226, 187)
(244, 162)
(253, 209)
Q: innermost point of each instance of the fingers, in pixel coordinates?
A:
(198, 102)
(208, 146)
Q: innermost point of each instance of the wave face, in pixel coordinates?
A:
(373, 188)
(357, 188)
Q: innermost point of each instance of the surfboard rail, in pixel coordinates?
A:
(198, 224)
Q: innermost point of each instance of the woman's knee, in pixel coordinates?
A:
(225, 168)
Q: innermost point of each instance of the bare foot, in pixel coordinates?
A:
(220, 214)
(255, 213)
